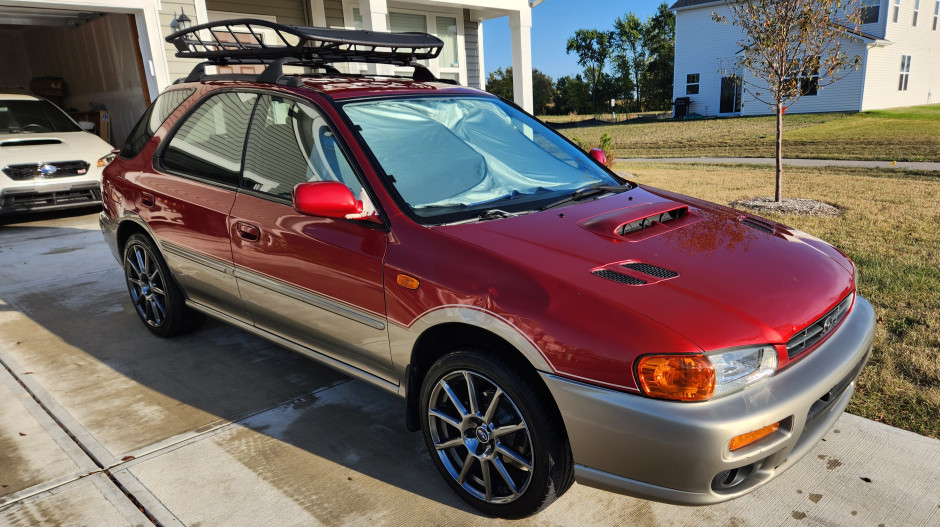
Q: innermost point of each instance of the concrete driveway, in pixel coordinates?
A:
(103, 424)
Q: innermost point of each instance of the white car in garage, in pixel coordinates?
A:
(47, 161)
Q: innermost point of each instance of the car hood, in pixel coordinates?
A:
(720, 277)
(51, 147)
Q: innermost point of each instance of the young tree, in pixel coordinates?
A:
(593, 49)
(630, 52)
(499, 82)
(660, 38)
(792, 48)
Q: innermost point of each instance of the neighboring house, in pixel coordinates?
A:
(899, 44)
(112, 53)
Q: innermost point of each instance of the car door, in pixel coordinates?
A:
(187, 200)
(315, 281)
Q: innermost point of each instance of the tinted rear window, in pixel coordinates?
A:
(152, 119)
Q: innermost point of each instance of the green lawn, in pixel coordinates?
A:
(902, 134)
(890, 229)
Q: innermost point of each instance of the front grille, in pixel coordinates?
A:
(618, 277)
(816, 331)
(31, 171)
(651, 270)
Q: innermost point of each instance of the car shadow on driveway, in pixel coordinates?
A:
(67, 322)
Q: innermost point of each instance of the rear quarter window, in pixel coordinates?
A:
(155, 115)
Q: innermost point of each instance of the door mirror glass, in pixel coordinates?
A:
(329, 199)
(599, 155)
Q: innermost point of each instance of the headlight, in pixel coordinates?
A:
(702, 377)
(738, 368)
(104, 161)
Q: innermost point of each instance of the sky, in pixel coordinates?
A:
(553, 22)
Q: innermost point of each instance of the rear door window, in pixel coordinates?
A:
(209, 144)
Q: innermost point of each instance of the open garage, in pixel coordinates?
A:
(87, 62)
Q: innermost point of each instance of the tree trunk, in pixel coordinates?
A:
(778, 190)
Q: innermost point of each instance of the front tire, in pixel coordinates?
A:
(157, 299)
(493, 434)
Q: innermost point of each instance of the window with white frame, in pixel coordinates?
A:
(868, 11)
(916, 9)
(692, 83)
(807, 77)
(446, 26)
(897, 11)
(936, 14)
(905, 72)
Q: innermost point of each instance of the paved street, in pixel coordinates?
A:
(103, 424)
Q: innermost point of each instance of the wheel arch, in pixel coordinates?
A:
(487, 330)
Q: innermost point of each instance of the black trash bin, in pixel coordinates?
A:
(681, 107)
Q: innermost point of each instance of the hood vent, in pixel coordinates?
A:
(757, 224)
(649, 221)
(30, 142)
(618, 277)
(651, 270)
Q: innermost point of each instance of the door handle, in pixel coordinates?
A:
(247, 231)
(146, 199)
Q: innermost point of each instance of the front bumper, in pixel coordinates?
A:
(674, 452)
(49, 195)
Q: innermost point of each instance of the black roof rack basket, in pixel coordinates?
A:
(250, 40)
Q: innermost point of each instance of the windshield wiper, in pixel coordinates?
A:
(586, 192)
(493, 214)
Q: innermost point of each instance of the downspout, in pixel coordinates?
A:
(864, 67)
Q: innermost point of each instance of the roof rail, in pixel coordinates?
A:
(234, 41)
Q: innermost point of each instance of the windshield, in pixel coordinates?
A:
(25, 116)
(451, 158)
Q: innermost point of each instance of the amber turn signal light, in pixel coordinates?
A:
(743, 440)
(408, 282)
(677, 377)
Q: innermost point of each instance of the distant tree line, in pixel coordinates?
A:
(631, 64)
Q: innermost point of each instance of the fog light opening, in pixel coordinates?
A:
(729, 479)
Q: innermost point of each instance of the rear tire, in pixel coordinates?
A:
(494, 435)
(157, 299)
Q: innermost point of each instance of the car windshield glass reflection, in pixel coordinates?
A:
(18, 117)
(453, 155)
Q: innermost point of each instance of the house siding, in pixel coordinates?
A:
(334, 13)
(471, 33)
(701, 43)
(922, 43)
(177, 67)
(292, 12)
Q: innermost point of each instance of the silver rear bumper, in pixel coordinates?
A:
(673, 451)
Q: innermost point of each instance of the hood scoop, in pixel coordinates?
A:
(758, 224)
(634, 273)
(30, 142)
(640, 222)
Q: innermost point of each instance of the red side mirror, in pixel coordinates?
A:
(599, 155)
(329, 199)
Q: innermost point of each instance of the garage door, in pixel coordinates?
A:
(86, 62)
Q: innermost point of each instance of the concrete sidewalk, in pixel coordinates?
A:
(103, 424)
(908, 165)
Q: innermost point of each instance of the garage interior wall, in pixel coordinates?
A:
(99, 63)
(15, 72)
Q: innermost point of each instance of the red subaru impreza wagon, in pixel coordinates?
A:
(544, 320)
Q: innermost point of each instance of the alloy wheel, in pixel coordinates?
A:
(481, 437)
(146, 285)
